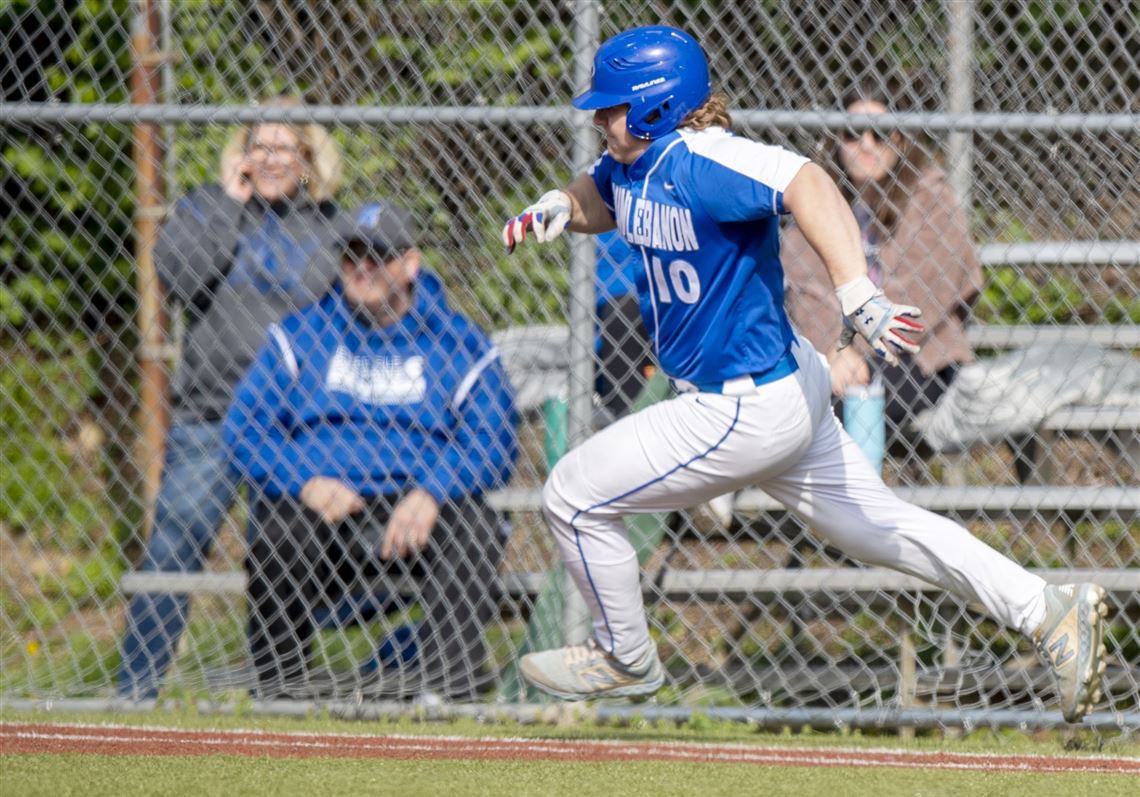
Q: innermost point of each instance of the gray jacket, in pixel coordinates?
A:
(237, 269)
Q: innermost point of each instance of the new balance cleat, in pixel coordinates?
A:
(585, 672)
(1071, 641)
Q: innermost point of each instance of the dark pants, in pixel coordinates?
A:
(624, 356)
(909, 392)
(297, 562)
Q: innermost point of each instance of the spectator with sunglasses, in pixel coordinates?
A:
(917, 241)
(235, 256)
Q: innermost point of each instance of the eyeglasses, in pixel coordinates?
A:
(261, 151)
(877, 136)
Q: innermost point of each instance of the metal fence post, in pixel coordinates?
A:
(583, 264)
(961, 95)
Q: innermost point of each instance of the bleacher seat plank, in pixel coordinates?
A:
(991, 499)
(1060, 253)
(681, 583)
(995, 336)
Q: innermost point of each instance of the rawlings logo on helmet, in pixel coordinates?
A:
(660, 72)
(641, 86)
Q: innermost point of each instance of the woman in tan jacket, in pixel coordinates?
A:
(919, 250)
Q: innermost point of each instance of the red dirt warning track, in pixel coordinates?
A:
(132, 740)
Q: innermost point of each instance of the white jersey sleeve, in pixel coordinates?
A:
(737, 179)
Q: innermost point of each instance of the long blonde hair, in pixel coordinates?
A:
(319, 149)
(712, 113)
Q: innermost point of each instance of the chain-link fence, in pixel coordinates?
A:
(143, 244)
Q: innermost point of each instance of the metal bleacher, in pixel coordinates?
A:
(1122, 254)
(1121, 422)
(962, 501)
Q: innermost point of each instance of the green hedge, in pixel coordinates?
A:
(1011, 297)
(47, 487)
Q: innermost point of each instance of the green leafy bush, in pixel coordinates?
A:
(65, 239)
(43, 391)
(1011, 296)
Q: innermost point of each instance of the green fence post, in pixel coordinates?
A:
(646, 531)
(556, 414)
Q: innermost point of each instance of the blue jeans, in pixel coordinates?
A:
(197, 490)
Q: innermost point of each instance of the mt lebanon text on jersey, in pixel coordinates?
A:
(643, 222)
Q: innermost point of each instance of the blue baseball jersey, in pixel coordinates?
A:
(702, 209)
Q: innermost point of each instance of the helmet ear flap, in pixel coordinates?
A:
(654, 122)
(657, 114)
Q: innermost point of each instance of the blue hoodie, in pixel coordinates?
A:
(423, 403)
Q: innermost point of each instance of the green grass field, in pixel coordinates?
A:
(65, 774)
(127, 776)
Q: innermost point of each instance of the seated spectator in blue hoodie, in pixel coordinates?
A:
(373, 422)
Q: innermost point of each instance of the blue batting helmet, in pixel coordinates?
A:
(660, 72)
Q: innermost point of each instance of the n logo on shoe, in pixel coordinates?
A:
(601, 676)
(1059, 650)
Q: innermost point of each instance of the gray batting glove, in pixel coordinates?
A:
(884, 325)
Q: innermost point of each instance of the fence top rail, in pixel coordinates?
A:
(165, 113)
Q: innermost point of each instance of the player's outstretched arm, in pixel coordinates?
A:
(829, 226)
(578, 208)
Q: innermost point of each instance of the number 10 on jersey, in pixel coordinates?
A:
(681, 280)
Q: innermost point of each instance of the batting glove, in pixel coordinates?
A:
(546, 218)
(868, 312)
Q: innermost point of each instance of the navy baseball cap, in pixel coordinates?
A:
(386, 228)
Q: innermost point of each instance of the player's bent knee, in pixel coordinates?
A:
(556, 504)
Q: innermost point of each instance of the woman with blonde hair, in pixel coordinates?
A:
(235, 256)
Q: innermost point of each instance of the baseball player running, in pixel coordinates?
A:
(701, 205)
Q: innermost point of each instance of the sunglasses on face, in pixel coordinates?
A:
(877, 136)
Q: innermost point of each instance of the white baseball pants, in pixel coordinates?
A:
(784, 438)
